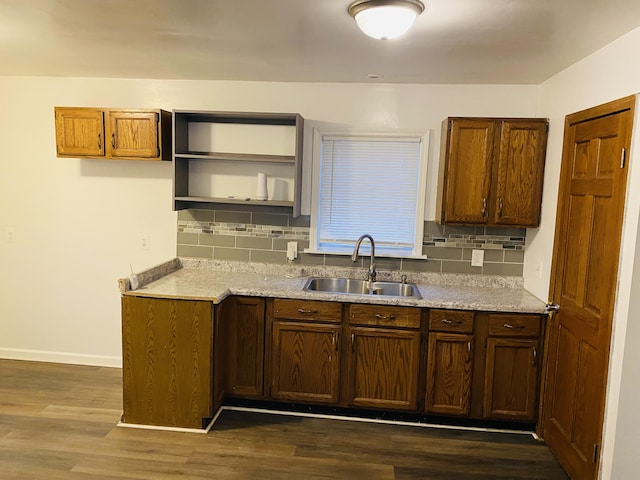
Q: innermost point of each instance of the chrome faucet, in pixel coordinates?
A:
(371, 274)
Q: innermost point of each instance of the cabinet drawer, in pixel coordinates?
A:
(383, 315)
(451, 321)
(510, 325)
(307, 310)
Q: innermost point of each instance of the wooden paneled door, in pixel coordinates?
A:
(585, 265)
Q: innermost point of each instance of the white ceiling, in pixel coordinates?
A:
(452, 42)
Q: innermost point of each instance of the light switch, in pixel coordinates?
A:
(292, 250)
(477, 258)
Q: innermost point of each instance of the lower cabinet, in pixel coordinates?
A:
(182, 357)
(512, 367)
(383, 362)
(167, 362)
(449, 370)
(450, 360)
(245, 344)
(305, 351)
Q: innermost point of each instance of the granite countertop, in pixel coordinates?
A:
(193, 279)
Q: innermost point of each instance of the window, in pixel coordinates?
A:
(369, 183)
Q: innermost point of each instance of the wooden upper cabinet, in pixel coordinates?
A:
(79, 132)
(124, 134)
(133, 134)
(491, 171)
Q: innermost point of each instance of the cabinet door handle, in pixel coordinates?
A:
(99, 141)
(513, 327)
(535, 356)
(113, 140)
(484, 206)
(336, 341)
(384, 317)
(308, 311)
(469, 347)
(451, 322)
(353, 343)
(500, 203)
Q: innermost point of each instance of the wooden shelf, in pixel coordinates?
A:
(238, 157)
(187, 145)
(238, 201)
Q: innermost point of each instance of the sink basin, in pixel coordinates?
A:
(352, 286)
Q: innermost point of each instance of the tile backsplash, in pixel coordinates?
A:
(262, 237)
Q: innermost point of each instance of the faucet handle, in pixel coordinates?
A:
(403, 278)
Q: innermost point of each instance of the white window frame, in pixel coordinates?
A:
(376, 194)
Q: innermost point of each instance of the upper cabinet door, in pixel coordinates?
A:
(79, 132)
(520, 173)
(467, 170)
(133, 134)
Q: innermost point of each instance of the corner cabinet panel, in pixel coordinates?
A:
(167, 362)
(246, 346)
(217, 156)
(449, 370)
(305, 362)
(511, 381)
(383, 368)
(79, 132)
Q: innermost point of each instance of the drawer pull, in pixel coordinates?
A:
(451, 322)
(513, 327)
(308, 311)
(384, 317)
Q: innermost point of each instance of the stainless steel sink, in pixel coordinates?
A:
(352, 286)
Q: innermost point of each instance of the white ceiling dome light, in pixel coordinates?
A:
(385, 19)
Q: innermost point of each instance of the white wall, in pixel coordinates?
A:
(79, 222)
(606, 75)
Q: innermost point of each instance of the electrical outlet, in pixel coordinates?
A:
(292, 250)
(477, 258)
(144, 242)
(11, 235)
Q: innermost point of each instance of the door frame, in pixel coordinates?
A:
(629, 235)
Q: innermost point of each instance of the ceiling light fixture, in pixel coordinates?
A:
(385, 19)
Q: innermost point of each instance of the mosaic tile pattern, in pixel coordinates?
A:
(262, 237)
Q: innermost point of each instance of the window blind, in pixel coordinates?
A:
(370, 185)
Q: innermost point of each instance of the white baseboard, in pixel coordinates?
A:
(60, 357)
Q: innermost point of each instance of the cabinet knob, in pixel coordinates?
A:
(308, 311)
(446, 321)
(514, 327)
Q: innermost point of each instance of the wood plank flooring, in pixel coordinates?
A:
(58, 422)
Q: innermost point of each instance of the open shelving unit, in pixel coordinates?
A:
(204, 140)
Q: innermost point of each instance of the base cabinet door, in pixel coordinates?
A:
(383, 368)
(245, 343)
(305, 362)
(511, 381)
(167, 362)
(449, 370)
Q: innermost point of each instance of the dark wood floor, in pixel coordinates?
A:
(58, 422)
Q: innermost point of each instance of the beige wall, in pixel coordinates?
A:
(608, 74)
(79, 222)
